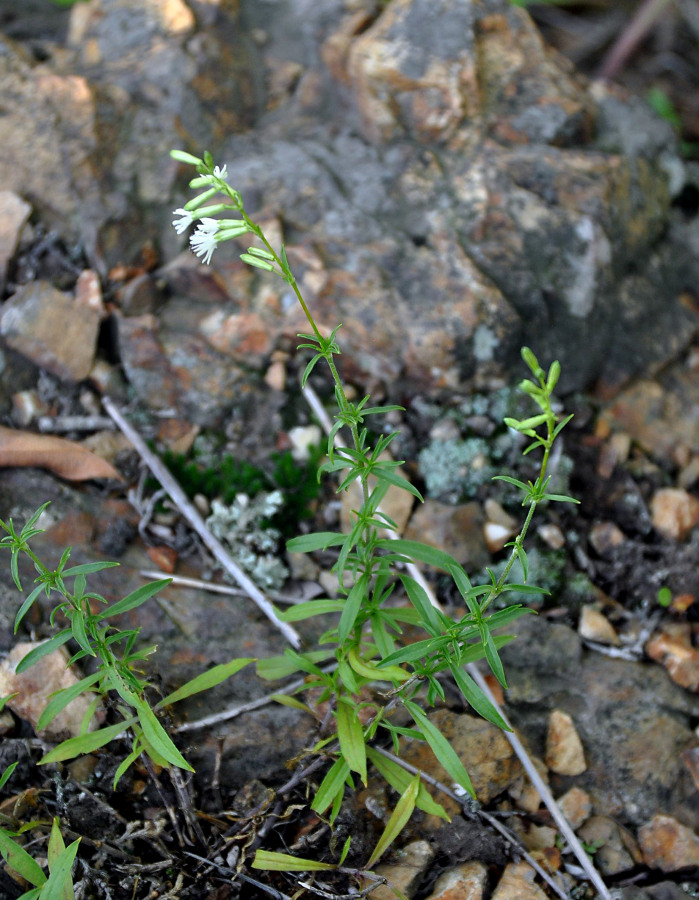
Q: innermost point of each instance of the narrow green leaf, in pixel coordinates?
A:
(352, 605)
(60, 884)
(293, 702)
(7, 774)
(351, 737)
(60, 699)
(33, 519)
(418, 597)
(86, 743)
(159, 739)
(21, 613)
(384, 474)
(560, 498)
(135, 598)
(440, 746)
(416, 550)
(513, 587)
(464, 586)
(399, 780)
(345, 850)
(14, 568)
(89, 568)
(515, 481)
(330, 786)
(491, 654)
(320, 540)
(398, 820)
(348, 676)
(524, 561)
(205, 681)
(44, 649)
(275, 668)
(20, 861)
(309, 608)
(561, 425)
(415, 651)
(309, 368)
(382, 638)
(77, 626)
(283, 862)
(475, 697)
(126, 764)
(504, 616)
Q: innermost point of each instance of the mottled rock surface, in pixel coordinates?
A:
(451, 191)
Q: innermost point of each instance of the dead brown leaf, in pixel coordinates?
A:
(64, 458)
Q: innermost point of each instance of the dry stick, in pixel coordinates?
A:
(515, 743)
(191, 514)
(214, 587)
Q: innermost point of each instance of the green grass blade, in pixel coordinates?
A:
(275, 668)
(309, 608)
(7, 774)
(86, 743)
(418, 597)
(20, 861)
(44, 649)
(399, 780)
(62, 698)
(158, 738)
(351, 608)
(206, 680)
(330, 786)
(135, 598)
(476, 698)
(441, 747)
(88, 568)
(398, 820)
(283, 862)
(22, 611)
(351, 736)
(431, 556)
(321, 540)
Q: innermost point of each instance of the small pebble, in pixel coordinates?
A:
(605, 537)
(668, 845)
(518, 883)
(593, 626)
(465, 882)
(302, 438)
(674, 513)
(552, 536)
(564, 750)
(576, 806)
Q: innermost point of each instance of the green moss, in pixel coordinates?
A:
(228, 477)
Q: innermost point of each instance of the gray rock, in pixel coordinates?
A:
(634, 722)
(57, 332)
(14, 213)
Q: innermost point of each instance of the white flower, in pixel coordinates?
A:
(184, 222)
(203, 241)
(220, 173)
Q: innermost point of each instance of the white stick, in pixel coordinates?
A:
(191, 514)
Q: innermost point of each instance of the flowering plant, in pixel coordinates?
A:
(365, 644)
